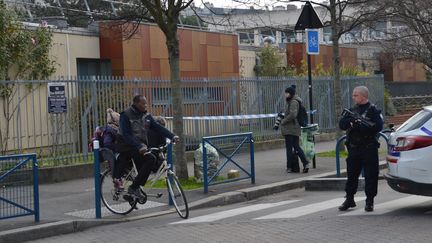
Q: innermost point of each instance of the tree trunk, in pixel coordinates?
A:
(177, 105)
(336, 67)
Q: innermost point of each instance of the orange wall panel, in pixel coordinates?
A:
(202, 54)
(214, 53)
(133, 50)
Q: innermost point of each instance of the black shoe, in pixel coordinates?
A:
(349, 203)
(369, 207)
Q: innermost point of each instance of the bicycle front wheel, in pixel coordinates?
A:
(177, 195)
(114, 199)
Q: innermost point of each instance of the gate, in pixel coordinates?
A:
(228, 146)
(19, 186)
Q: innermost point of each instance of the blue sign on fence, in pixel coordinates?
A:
(312, 41)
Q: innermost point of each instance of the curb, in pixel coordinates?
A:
(242, 195)
(50, 229)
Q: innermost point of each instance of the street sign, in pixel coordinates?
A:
(308, 18)
(57, 98)
(312, 41)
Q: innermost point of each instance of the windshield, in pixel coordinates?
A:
(415, 121)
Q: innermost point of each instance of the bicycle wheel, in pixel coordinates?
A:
(113, 199)
(177, 195)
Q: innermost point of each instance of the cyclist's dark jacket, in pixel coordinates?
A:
(134, 128)
(360, 135)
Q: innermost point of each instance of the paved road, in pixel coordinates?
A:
(293, 216)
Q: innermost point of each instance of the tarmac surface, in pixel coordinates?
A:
(69, 206)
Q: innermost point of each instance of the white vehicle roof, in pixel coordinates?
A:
(429, 108)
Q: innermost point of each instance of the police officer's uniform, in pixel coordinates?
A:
(362, 144)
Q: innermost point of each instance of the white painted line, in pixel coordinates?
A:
(390, 206)
(308, 209)
(233, 212)
(90, 213)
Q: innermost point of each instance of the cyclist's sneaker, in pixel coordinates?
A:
(118, 184)
(135, 193)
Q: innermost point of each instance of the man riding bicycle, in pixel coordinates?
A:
(132, 143)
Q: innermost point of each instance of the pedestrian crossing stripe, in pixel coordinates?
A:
(305, 210)
(233, 212)
(390, 206)
(90, 213)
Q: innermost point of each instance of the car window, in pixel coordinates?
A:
(415, 121)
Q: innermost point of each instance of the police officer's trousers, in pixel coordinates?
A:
(366, 158)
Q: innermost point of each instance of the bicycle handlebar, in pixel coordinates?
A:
(157, 149)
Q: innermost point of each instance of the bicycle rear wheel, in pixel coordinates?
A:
(177, 195)
(113, 199)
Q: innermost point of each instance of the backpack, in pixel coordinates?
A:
(302, 117)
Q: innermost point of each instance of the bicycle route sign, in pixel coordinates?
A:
(312, 41)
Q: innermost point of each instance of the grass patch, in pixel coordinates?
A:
(189, 184)
(332, 153)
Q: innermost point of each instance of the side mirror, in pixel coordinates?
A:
(391, 125)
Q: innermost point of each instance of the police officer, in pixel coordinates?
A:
(362, 144)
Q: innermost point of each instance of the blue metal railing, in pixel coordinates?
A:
(19, 186)
(245, 138)
(342, 138)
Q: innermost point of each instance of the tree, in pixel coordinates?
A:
(127, 15)
(346, 16)
(24, 54)
(166, 15)
(270, 62)
(411, 38)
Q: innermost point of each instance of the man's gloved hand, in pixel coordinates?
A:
(176, 139)
(275, 128)
(143, 149)
(356, 123)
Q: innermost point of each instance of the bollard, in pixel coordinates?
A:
(96, 167)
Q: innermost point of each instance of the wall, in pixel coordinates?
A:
(297, 52)
(401, 71)
(202, 54)
(70, 45)
(247, 63)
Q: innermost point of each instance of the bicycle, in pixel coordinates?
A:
(117, 201)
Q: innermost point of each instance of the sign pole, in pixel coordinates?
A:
(310, 23)
(310, 87)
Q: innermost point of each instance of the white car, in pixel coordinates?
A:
(409, 157)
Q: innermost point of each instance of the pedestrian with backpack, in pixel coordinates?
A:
(291, 130)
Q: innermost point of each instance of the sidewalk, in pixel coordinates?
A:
(72, 202)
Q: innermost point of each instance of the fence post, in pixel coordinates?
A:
(36, 188)
(205, 169)
(252, 158)
(96, 168)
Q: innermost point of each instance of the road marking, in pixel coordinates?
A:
(90, 213)
(233, 212)
(305, 210)
(390, 206)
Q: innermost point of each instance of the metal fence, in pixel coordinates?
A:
(62, 138)
(19, 186)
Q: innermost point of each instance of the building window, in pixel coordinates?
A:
(93, 67)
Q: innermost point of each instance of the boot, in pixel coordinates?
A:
(348, 203)
(369, 207)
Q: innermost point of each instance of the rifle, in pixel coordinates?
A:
(357, 118)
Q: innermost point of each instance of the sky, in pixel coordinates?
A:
(240, 3)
